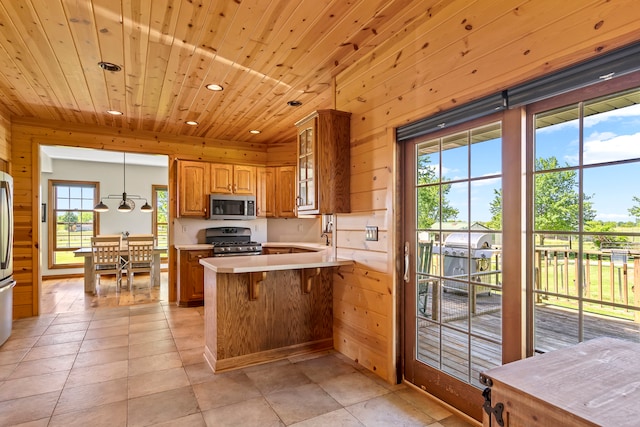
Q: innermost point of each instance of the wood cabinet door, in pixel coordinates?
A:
(286, 192)
(193, 191)
(221, 178)
(275, 251)
(265, 192)
(191, 277)
(244, 179)
(195, 285)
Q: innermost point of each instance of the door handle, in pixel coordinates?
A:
(406, 262)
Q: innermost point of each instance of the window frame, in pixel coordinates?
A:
(155, 188)
(52, 214)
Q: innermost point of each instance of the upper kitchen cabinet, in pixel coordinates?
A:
(196, 180)
(193, 188)
(323, 163)
(233, 179)
(285, 191)
(265, 194)
(276, 192)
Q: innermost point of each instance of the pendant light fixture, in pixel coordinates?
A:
(127, 203)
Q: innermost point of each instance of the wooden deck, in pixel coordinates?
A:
(556, 328)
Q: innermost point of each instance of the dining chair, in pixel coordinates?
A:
(140, 257)
(105, 252)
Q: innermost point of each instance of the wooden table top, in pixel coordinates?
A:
(597, 380)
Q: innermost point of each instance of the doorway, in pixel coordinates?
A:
(111, 173)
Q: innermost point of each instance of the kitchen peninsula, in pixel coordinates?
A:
(267, 307)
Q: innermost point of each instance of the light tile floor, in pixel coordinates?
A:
(142, 365)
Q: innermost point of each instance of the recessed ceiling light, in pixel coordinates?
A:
(191, 123)
(294, 103)
(114, 112)
(254, 131)
(109, 66)
(214, 87)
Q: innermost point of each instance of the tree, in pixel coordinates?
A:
(430, 210)
(557, 201)
(69, 219)
(635, 209)
(495, 207)
(604, 240)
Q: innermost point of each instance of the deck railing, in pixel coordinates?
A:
(608, 277)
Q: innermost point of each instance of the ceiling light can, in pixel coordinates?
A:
(109, 66)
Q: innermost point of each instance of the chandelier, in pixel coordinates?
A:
(127, 203)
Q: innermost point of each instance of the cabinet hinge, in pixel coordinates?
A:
(495, 411)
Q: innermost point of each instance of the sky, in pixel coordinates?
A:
(612, 136)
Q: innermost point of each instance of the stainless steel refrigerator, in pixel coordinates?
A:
(6, 256)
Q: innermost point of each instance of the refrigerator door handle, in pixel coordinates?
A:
(5, 204)
(7, 287)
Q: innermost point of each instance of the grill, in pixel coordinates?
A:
(232, 241)
(465, 254)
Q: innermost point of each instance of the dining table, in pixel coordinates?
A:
(90, 277)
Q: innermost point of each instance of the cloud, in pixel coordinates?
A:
(606, 147)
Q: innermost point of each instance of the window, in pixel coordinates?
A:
(161, 215)
(73, 221)
(586, 208)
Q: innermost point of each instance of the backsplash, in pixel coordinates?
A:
(188, 231)
(294, 230)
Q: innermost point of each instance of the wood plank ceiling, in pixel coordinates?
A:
(263, 52)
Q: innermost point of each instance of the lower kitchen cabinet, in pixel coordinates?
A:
(191, 277)
(275, 251)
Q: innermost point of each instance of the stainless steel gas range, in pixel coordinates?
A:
(232, 241)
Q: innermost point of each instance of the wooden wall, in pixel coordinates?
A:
(5, 139)
(449, 54)
(26, 136)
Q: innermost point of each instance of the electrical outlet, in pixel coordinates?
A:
(184, 228)
(371, 233)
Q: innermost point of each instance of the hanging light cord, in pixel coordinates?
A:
(124, 176)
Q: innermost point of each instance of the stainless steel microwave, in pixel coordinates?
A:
(232, 206)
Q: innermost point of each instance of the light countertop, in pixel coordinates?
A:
(193, 247)
(300, 245)
(297, 261)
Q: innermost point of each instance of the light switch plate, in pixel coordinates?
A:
(371, 233)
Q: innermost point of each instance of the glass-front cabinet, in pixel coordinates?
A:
(322, 185)
(306, 199)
